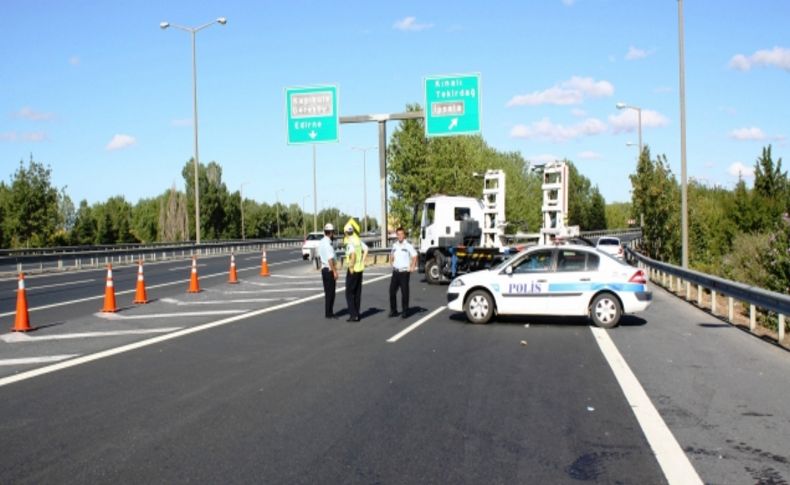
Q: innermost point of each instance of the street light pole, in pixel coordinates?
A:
(241, 194)
(304, 220)
(364, 151)
(277, 196)
(639, 117)
(192, 31)
(684, 217)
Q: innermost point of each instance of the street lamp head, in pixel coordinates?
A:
(222, 20)
(164, 25)
(620, 106)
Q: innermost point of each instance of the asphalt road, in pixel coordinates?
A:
(281, 395)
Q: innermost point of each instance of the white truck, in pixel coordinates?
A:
(463, 234)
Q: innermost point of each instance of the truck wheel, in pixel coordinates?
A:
(605, 310)
(479, 307)
(433, 274)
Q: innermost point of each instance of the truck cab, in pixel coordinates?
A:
(442, 219)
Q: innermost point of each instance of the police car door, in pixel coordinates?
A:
(524, 285)
(574, 281)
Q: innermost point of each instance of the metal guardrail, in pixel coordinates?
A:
(122, 255)
(673, 277)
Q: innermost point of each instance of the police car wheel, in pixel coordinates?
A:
(479, 307)
(605, 310)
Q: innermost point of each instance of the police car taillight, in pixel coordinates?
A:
(638, 277)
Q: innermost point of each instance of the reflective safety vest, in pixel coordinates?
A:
(356, 245)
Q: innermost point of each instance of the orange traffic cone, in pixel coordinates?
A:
(22, 320)
(140, 296)
(233, 278)
(194, 285)
(109, 293)
(264, 265)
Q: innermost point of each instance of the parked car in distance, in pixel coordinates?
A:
(610, 245)
(310, 244)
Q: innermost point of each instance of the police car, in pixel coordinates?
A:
(553, 280)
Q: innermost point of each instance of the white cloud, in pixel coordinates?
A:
(572, 91)
(738, 169)
(709, 164)
(27, 113)
(409, 24)
(121, 141)
(748, 134)
(74, 61)
(181, 122)
(628, 120)
(590, 155)
(33, 136)
(579, 113)
(568, 3)
(776, 57)
(634, 54)
(545, 129)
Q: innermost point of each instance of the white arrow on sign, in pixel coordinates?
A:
(453, 123)
(313, 134)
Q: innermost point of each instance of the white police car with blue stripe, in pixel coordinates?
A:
(553, 280)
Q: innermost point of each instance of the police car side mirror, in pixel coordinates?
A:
(509, 270)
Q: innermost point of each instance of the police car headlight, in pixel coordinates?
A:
(456, 283)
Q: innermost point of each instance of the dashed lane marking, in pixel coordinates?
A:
(54, 285)
(155, 340)
(673, 461)
(15, 338)
(414, 325)
(37, 360)
(118, 316)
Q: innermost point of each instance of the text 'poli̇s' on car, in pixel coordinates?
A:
(566, 280)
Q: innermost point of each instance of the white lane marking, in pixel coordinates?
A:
(279, 284)
(37, 360)
(29, 288)
(414, 325)
(118, 316)
(187, 268)
(240, 300)
(673, 461)
(280, 290)
(155, 340)
(11, 338)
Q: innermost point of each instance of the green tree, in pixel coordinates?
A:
(31, 210)
(618, 215)
(597, 211)
(85, 225)
(656, 195)
(145, 219)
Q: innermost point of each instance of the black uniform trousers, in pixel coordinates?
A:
(329, 292)
(353, 293)
(400, 279)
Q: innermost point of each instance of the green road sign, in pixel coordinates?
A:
(312, 114)
(452, 105)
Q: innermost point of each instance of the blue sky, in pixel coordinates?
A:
(100, 93)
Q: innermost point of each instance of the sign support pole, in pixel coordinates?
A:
(315, 196)
(383, 180)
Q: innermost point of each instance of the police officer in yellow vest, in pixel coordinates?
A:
(356, 253)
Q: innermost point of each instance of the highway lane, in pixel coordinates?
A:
(288, 397)
(57, 288)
